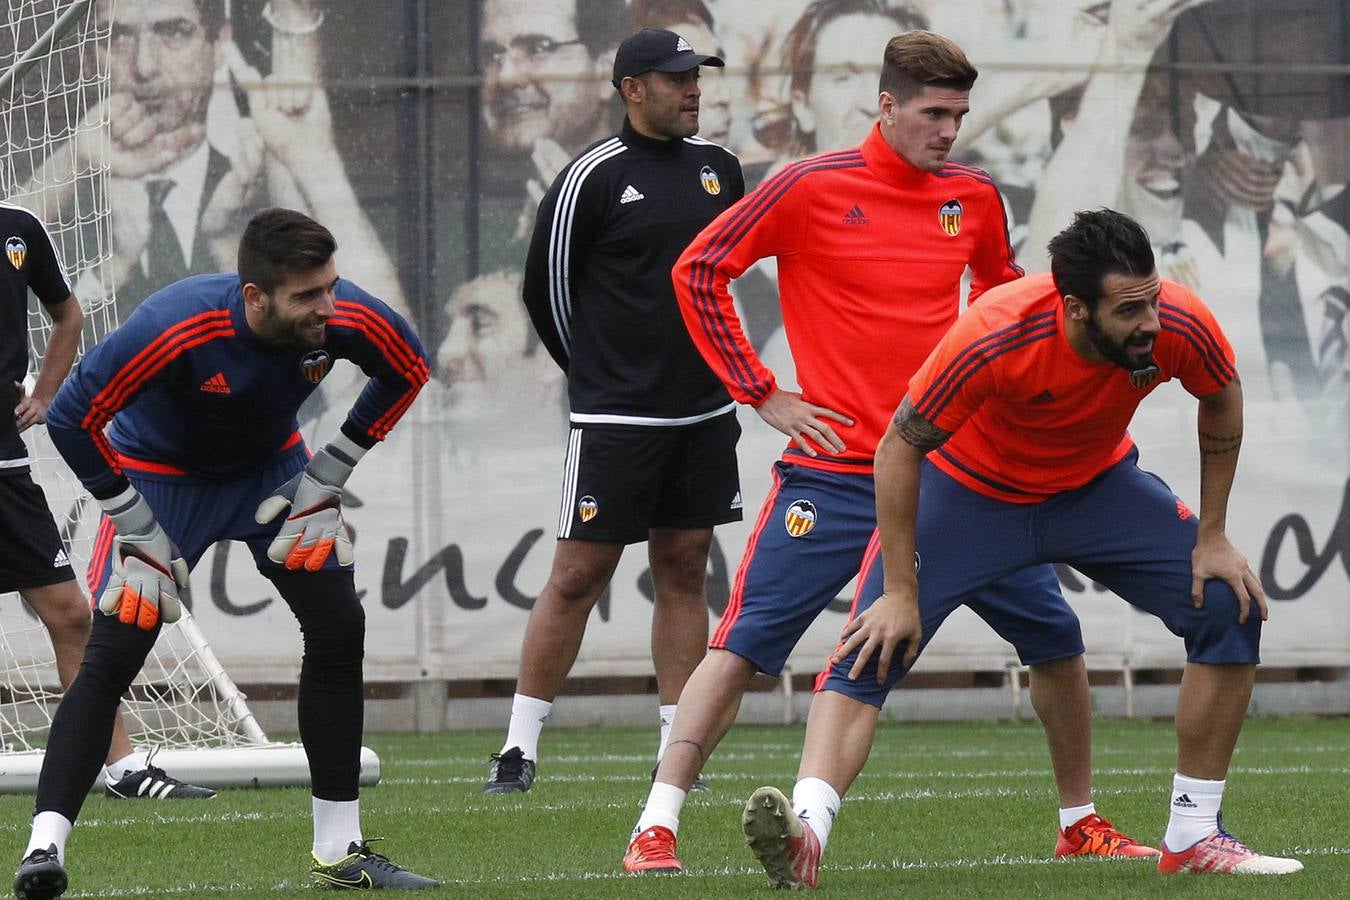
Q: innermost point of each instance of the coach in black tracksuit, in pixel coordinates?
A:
(651, 456)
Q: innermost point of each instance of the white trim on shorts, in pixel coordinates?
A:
(571, 469)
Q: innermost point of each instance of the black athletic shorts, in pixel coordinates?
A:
(619, 483)
(33, 554)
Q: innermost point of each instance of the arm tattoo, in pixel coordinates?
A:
(917, 431)
(1219, 444)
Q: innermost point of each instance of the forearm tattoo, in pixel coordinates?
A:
(917, 431)
(1219, 444)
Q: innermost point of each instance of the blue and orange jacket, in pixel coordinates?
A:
(185, 389)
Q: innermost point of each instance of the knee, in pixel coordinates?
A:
(114, 655)
(63, 609)
(68, 623)
(339, 634)
(1213, 633)
(1069, 667)
(728, 669)
(681, 565)
(577, 584)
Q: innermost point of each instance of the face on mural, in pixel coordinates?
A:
(1155, 160)
(538, 75)
(492, 369)
(162, 56)
(841, 103)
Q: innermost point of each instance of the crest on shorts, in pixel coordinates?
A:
(16, 251)
(711, 183)
(949, 216)
(315, 365)
(800, 518)
(1142, 378)
(587, 508)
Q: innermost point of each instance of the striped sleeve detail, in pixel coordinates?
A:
(98, 559)
(702, 271)
(976, 356)
(560, 235)
(952, 169)
(401, 356)
(191, 332)
(1197, 333)
(1007, 238)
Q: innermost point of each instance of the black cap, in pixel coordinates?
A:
(657, 50)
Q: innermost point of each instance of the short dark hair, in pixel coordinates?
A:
(917, 59)
(282, 242)
(1098, 243)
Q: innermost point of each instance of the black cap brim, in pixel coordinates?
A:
(686, 61)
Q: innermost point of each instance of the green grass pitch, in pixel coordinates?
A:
(942, 810)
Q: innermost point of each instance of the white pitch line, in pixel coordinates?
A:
(784, 776)
(879, 753)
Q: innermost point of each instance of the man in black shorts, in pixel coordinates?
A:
(35, 562)
(651, 454)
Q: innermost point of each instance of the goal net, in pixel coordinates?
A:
(53, 161)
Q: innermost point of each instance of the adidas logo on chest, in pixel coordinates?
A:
(856, 216)
(631, 195)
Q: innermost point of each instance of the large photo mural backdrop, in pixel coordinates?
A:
(424, 133)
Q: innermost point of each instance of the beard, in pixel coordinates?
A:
(293, 334)
(1117, 352)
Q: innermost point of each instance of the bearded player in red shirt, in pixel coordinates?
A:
(1010, 450)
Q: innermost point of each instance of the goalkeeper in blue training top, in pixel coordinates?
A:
(182, 424)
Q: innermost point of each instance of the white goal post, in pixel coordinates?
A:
(54, 85)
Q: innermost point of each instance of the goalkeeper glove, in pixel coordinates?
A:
(314, 529)
(149, 576)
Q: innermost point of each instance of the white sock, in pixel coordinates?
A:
(337, 823)
(817, 803)
(1069, 815)
(667, 719)
(49, 828)
(664, 803)
(528, 715)
(118, 769)
(1195, 811)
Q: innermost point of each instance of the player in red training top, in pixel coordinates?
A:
(1010, 450)
(871, 244)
